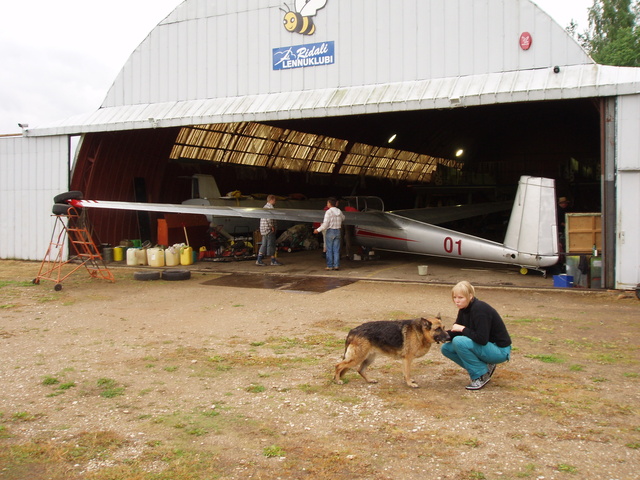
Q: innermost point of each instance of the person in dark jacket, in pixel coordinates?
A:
(479, 338)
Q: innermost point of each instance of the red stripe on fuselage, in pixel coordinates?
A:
(367, 233)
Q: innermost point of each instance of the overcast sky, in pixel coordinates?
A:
(59, 58)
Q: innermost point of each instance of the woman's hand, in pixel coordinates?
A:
(457, 327)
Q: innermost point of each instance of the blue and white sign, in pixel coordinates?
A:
(299, 56)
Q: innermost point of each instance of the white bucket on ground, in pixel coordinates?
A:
(423, 269)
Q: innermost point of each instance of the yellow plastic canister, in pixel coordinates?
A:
(171, 257)
(186, 256)
(155, 257)
(118, 254)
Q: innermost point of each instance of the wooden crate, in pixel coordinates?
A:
(583, 231)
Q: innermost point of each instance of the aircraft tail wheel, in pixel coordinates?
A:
(524, 270)
(58, 287)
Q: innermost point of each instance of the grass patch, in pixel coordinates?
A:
(199, 422)
(524, 321)
(255, 388)
(109, 388)
(546, 358)
(566, 468)
(13, 283)
(273, 451)
(50, 381)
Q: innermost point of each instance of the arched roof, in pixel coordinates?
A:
(211, 68)
(213, 62)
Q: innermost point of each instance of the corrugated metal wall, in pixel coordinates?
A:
(208, 49)
(628, 192)
(34, 170)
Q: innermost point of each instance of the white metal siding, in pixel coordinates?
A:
(34, 170)
(223, 49)
(628, 192)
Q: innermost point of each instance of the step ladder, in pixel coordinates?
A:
(72, 228)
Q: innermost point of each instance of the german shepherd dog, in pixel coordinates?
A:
(406, 339)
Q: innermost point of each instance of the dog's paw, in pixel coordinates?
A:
(413, 384)
(372, 381)
(338, 382)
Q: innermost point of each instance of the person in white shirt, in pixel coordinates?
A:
(332, 224)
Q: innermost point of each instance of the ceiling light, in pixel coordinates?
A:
(392, 138)
(459, 152)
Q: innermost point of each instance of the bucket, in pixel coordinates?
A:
(118, 254)
(563, 281)
(596, 272)
(107, 254)
(186, 256)
(171, 257)
(423, 269)
(155, 257)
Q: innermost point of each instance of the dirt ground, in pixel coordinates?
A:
(184, 379)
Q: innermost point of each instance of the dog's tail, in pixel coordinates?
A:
(347, 342)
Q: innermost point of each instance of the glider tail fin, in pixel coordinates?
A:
(533, 226)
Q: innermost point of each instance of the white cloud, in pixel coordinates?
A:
(60, 58)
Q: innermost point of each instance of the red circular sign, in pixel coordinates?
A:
(525, 41)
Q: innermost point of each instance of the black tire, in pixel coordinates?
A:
(60, 209)
(57, 287)
(145, 275)
(638, 292)
(173, 275)
(63, 197)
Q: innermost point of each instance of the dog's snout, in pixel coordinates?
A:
(442, 336)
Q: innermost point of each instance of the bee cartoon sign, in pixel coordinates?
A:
(299, 19)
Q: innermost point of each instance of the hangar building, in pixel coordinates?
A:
(306, 97)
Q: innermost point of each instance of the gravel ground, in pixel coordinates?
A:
(240, 378)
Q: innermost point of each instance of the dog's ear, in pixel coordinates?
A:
(426, 323)
(438, 316)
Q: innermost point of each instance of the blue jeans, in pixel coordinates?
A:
(474, 357)
(268, 247)
(332, 242)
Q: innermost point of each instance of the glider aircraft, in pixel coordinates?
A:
(531, 239)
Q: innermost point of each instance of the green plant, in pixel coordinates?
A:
(529, 470)
(109, 388)
(564, 467)
(255, 388)
(273, 451)
(546, 358)
(50, 381)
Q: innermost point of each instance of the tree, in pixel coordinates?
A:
(613, 36)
